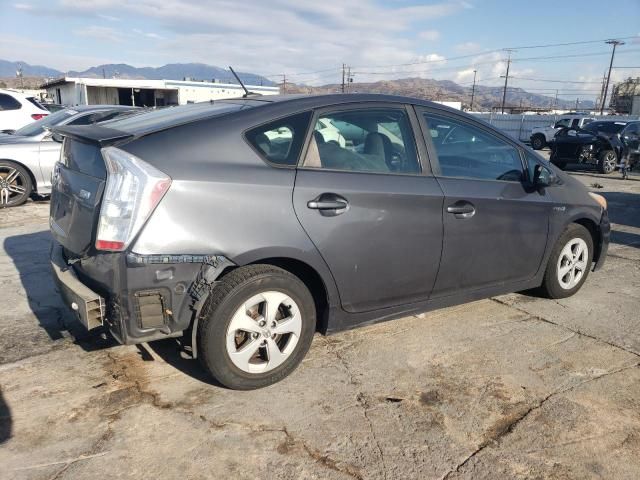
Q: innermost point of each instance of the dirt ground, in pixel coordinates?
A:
(511, 387)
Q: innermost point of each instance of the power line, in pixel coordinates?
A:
(572, 43)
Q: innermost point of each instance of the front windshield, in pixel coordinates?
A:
(37, 127)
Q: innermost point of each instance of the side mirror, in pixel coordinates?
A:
(543, 177)
(56, 137)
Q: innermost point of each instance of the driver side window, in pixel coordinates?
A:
(465, 150)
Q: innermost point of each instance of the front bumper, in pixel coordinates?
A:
(604, 231)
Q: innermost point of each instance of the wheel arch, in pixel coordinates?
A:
(313, 281)
(593, 229)
(32, 177)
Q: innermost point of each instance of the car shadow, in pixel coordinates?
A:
(172, 352)
(6, 422)
(30, 256)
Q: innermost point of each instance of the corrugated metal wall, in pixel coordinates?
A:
(519, 126)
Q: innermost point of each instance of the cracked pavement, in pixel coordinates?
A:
(511, 387)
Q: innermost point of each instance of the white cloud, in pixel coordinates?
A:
(101, 33)
(430, 35)
(467, 47)
(23, 6)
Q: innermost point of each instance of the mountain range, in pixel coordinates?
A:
(173, 71)
(485, 97)
(446, 90)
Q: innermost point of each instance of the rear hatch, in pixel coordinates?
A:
(78, 183)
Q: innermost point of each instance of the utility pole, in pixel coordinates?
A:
(348, 79)
(506, 79)
(600, 98)
(615, 43)
(19, 74)
(284, 83)
(473, 90)
(343, 71)
(556, 104)
(577, 103)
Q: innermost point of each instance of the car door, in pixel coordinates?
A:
(631, 137)
(371, 207)
(495, 226)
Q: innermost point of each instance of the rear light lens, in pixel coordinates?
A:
(133, 190)
(38, 116)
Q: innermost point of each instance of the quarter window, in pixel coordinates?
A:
(363, 140)
(7, 102)
(465, 150)
(280, 141)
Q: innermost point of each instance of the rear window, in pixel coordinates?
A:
(605, 127)
(280, 141)
(83, 157)
(35, 102)
(171, 116)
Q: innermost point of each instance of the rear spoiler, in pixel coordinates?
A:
(92, 133)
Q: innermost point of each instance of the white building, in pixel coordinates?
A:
(142, 93)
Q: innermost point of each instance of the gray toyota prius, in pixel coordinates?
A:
(246, 225)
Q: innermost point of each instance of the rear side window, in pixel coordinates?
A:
(280, 141)
(7, 102)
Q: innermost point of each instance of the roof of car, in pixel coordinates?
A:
(170, 117)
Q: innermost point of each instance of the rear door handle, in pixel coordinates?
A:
(326, 205)
(329, 204)
(462, 209)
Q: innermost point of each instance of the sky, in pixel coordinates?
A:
(310, 40)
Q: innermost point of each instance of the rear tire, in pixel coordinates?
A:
(569, 263)
(256, 327)
(607, 161)
(15, 184)
(538, 142)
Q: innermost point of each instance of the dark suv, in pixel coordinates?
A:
(246, 225)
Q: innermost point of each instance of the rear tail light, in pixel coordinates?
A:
(38, 116)
(133, 190)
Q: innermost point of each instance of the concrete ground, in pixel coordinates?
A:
(511, 387)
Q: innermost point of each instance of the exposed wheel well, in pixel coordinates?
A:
(311, 279)
(34, 185)
(591, 226)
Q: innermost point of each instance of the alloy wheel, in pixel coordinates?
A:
(13, 185)
(609, 163)
(572, 263)
(263, 332)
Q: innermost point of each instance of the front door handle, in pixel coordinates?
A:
(462, 209)
(329, 204)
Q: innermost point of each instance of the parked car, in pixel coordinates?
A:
(18, 109)
(598, 144)
(28, 155)
(185, 222)
(541, 136)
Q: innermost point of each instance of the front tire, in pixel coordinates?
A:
(256, 327)
(15, 184)
(569, 263)
(538, 142)
(607, 161)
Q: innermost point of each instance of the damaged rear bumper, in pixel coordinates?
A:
(139, 298)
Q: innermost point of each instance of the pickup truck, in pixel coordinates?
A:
(541, 136)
